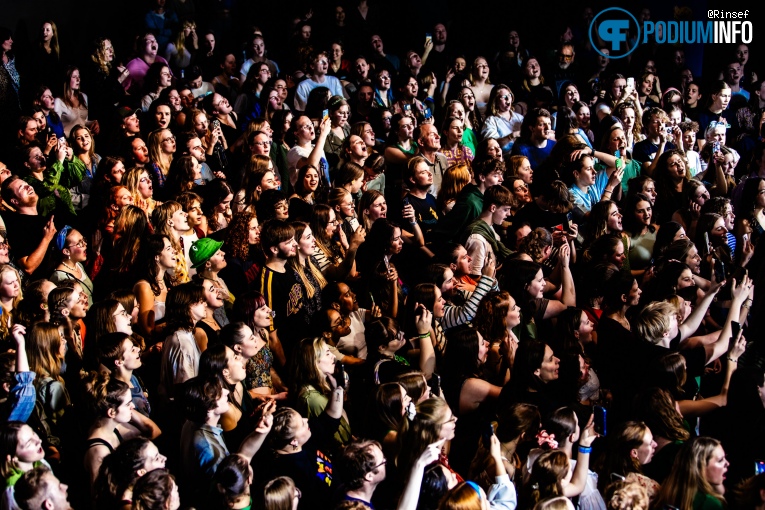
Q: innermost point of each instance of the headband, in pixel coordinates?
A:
(61, 237)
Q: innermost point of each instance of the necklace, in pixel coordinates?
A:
(74, 269)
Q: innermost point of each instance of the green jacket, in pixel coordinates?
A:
(54, 188)
(466, 209)
(487, 231)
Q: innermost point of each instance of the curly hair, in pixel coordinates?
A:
(237, 243)
(490, 318)
(535, 244)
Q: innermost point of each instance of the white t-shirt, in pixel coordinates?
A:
(294, 156)
(307, 85)
(355, 344)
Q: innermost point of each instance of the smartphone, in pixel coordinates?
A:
(324, 115)
(716, 147)
(407, 107)
(745, 237)
(215, 124)
(631, 83)
(428, 114)
(735, 329)
(406, 201)
(719, 269)
(486, 434)
(759, 467)
(568, 224)
(428, 37)
(600, 420)
(669, 130)
(704, 250)
(618, 154)
(339, 375)
(436, 385)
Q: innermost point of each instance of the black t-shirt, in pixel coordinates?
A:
(424, 211)
(24, 234)
(284, 295)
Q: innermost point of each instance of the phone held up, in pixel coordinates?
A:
(599, 420)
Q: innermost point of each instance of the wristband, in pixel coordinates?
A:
(732, 360)
(585, 449)
(424, 335)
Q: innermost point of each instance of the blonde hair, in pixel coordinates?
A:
(687, 478)
(623, 495)
(180, 39)
(653, 321)
(43, 345)
(160, 218)
(279, 493)
(294, 263)
(156, 155)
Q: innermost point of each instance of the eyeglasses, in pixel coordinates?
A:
(168, 139)
(144, 180)
(381, 464)
(82, 243)
(123, 313)
(505, 97)
(566, 56)
(4, 244)
(262, 144)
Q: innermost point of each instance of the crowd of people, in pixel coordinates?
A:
(330, 276)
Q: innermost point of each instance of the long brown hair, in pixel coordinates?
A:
(687, 478)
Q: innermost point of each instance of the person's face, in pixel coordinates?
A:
(396, 242)
(123, 198)
(281, 86)
(701, 195)
(41, 121)
(585, 325)
(614, 221)
(386, 121)
(340, 116)
(585, 176)
(235, 366)
(565, 57)
(644, 452)
(718, 233)
(36, 161)
(331, 227)
(521, 191)
(536, 286)
(307, 243)
(264, 74)
(7, 45)
(326, 361)
(116, 174)
(167, 139)
(675, 117)
(78, 303)
(198, 310)
(168, 257)
(262, 319)
(152, 458)
(676, 166)
(150, 45)
(187, 98)
(377, 44)
(47, 32)
(261, 145)
(47, 100)
(196, 149)
(145, 187)
(571, 95)
(175, 100)
(646, 86)
(504, 100)
(721, 99)
(423, 177)
(617, 141)
(4, 258)
(179, 221)
(715, 470)
(282, 210)
(689, 138)
(253, 232)
(28, 445)
(348, 301)
(494, 178)
(221, 105)
(617, 88)
(692, 95)
(685, 279)
(414, 61)
(520, 234)
(548, 371)
(693, 260)
(717, 135)
(727, 164)
(311, 180)
(362, 68)
(618, 256)
(77, 246)
(29, 133)
(483, 348)
(165, 78)
(513, 317)
(131, 353)
(57, 496)
(304, 129)
(287, 249)
(481, 69)
(411, 88)
(500, 214)
(212, 294)
(531, 69)
(467, 98)
(406, 128)
(455, 131)
(583, 116)
(305, 33)
(643, 212)
(448, 426)
(24, 194)
(222, 405)
(628, 117)
(125, 409)
(258, 47)
(448, 288)
(131, 124)
(633, 298)
(340, 325)
(733, 73)
(542, 127)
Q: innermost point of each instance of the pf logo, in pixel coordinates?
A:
(616, 30)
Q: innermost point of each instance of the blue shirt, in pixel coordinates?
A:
(585, 201)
